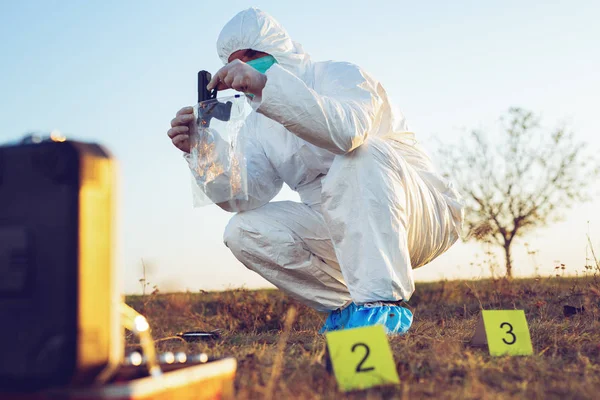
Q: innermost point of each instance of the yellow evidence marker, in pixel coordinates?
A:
(361, 358)
(504, 331)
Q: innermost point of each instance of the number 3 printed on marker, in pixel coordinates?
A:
(506, 332)
(509, 332)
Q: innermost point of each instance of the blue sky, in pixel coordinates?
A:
(115, 72)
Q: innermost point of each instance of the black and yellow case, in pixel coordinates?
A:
(59, 294)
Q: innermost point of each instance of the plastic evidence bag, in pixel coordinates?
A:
(216, 155)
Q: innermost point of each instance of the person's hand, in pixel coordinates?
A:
(180, 129)
(239, 76)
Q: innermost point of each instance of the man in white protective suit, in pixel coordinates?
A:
(372, 206)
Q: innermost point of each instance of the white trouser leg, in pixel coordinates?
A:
(383, 220)
(288, 244)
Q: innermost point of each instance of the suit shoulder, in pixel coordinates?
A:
(338, 67)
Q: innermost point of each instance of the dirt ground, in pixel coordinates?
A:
(434, 360)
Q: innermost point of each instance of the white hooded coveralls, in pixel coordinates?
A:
(372, 205)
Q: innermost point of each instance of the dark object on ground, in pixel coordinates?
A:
(569, 311)
(199, 336)
(328, 364)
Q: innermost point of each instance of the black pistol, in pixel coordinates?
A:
(209, 107)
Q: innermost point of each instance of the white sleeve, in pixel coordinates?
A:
(338, 118)
(263, 181)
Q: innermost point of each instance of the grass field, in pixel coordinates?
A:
(434, 360)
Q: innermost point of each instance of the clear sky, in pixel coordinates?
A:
(115, 72)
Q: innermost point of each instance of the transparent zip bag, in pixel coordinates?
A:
(217, 161)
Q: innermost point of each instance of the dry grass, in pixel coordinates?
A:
(434, 360)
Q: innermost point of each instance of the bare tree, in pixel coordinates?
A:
(518, 180)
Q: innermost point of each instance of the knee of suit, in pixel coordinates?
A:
(251, 237)
(256, 239)
(234, 236)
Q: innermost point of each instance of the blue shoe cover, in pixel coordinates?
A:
(395, 319)
(338, 319)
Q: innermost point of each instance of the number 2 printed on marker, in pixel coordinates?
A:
(359, 367)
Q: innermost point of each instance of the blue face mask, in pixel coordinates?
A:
(262, 64)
